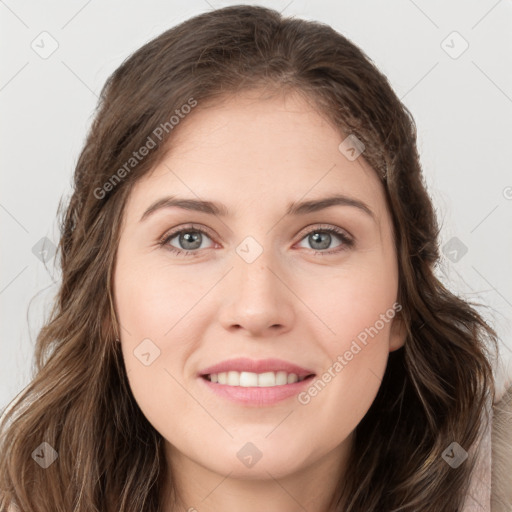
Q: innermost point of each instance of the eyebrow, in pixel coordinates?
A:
(294, 208)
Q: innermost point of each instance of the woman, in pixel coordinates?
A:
(255, 369)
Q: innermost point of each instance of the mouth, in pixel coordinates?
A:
(248, 389)
(246, 372)
(255, 380)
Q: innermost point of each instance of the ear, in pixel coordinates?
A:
(398, 333)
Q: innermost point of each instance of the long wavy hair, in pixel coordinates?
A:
(109, 457)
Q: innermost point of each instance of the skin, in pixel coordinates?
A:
(256, 155)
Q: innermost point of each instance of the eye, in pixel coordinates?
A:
(190, 238)
(320, 238)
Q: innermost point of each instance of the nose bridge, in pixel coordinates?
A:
(252, 268)
(258, 297)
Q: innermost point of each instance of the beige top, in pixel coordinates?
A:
(491, 483)
(478, 498)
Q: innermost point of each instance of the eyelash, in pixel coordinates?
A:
(347, 242)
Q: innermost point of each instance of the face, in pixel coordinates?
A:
(315, 288)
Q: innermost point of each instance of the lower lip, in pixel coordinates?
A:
(255, 396)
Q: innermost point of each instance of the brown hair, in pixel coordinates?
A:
(110, 458)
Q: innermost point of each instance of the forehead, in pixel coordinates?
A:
(258, 152)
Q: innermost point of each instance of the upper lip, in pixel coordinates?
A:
(243, 364)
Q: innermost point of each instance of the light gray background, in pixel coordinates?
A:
(462, 105)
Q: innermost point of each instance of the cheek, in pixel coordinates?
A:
(357, 314)
(150, 302)
(157, 336)
(354, 302)
(340, 396)
(340, 404)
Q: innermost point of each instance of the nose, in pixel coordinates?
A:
(258, 298)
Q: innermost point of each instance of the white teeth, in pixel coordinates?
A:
(249, 379)
(233, 379)
(266, 379)
(294, 378)
(281, 378)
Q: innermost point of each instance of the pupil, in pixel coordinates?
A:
(317, 236)
(188, 238)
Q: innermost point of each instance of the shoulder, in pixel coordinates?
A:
(11, 508)
(501, 496)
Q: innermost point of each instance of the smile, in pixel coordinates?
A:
(250, 379)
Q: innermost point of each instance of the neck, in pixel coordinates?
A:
(310, 486)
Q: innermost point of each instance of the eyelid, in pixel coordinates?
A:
(320, 227)
(190, 227)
